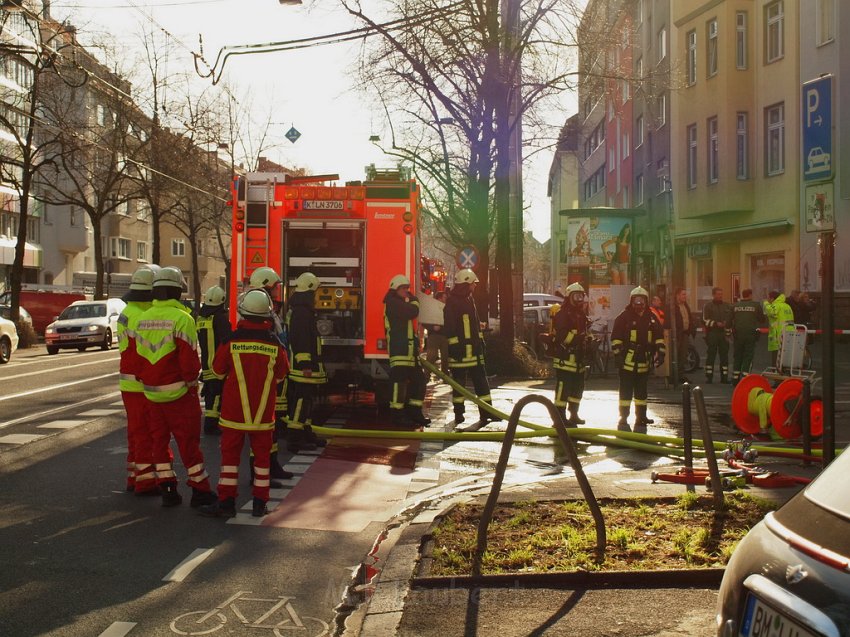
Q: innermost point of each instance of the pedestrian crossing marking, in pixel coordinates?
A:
(61, 424)
(99, 412)
(19, 439)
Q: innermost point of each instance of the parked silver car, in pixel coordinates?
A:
(790, 575)
(85, 324)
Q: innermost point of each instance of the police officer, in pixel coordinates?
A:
(637, 341)
(717, 319)
(570, 339)
(747, 315)
(466, 344)
(140, 472)
(165, 360)
(213, 329)
(306, 368)
(406, 374)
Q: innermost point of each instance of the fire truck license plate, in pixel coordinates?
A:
(760, 620)
(310, 204)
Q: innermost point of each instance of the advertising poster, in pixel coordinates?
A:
(604, 246)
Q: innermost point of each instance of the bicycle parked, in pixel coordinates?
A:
(598, 350)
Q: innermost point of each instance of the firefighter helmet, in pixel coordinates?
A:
(574, 287)
(466, 276)
(306, 282)
(264, 277)
(575, 293)
(169, 277)
(142, 279)
(399, 280)
(256, 303)
(214, 296)
(639, 291)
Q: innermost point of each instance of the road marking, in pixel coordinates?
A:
(19, 439)
(61, 424)
(54, 387)
(184, 568)
(47, 412)
(99, 412)
(118, 629)
(42, 373)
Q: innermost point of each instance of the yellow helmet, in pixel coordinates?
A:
(214, 296)
(264, 277)
(466, 276)
(398, 281)
(306, 282)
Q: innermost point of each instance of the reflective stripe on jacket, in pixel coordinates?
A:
(570, 335)
(133, 309)
(402, 342)
(304, 342)
(213, 329)
(462, 328)
(635, 339)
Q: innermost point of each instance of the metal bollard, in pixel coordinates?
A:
(710, 456)
(687, 426)
(806, 420)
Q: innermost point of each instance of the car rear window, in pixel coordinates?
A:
(83, 311)
(831, 490)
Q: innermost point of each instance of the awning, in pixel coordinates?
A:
(770, 227)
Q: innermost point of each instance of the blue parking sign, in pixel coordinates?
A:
(817, 129)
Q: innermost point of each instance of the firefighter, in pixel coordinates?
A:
(747, 315)
(306, 368)
(637, 341)
(141, 478)
(267, 280)
(406, 374)
(213, 329)
(466, 344)
(250, 365)
(570, 325)
(165, 360)
(717, 319)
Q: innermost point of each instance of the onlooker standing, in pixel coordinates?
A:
(780, 318)
(805, 308)
(717, 318)
(747, 315)
(657, 307)
(685, 329)
(436, 342)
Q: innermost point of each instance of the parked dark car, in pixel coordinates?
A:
(790, 575)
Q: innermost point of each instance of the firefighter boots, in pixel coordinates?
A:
(640, 419)
(200, 498)
(574, 419)
(415, 414)
(623, 423)
(276, 470)
(313, 438)
(219, 509)
(170, 496)
(563, 412)
(459, 416)
(399, 418)
(259, 509)
(297, 442)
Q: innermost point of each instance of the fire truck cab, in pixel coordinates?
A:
(354, 238)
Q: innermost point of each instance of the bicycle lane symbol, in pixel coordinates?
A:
(280, 617)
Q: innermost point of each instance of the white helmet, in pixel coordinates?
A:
(398, 281)
(306, 281)
(169, 277)
(256, 303)
(142, 279)
(574, 287)
(264, 277)
(639, 291)
(466, 276)
(214, 296)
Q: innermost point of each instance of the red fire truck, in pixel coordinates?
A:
(354, 238)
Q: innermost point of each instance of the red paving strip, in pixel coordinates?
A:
(337, 495)
(386, 451)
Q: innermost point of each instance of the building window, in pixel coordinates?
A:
(33, 234)
(662, 44)
(178, 248)
(639, 11)
(639, 69)
(624, 89)
(692, 156)
(713, 158)
(661, 104)
(774, 38)
(638, 131)
(711, 52)
(141, 251)
(692, 57)
(741, 147)
(825, 21)
(741, 40)
(594, 183)
(775, 148)
(625, 147)
(101, 115)
(119, 248)
(662, 171)
(639, 189)
(73, 216)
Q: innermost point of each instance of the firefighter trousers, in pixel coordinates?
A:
(633, 385)
(300, 398)
(408, 386)
(569, 388)
(180, 418)
(478, 375)
(140, 471)
(716, 343)
(212, 402)
(743, 353)
(232, 441)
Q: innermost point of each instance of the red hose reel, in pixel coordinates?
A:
(781, 405)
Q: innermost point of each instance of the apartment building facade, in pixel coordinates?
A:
(563, 193)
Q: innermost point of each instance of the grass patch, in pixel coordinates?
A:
(643, 534)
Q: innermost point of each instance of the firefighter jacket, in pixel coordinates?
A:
(746, 318)
(780, 318)
(165, 356)
(462, 328)
(570, 339)
(402, 341)
(304, 342)
(213, 329)
(636, 339)
(717, 315)
(251, 362)
(126, 380)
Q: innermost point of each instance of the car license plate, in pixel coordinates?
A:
(68, 337)
(761, 620)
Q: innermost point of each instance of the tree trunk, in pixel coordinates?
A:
(98, 255)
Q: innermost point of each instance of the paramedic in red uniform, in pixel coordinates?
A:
(250, 363)
(166, 360)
